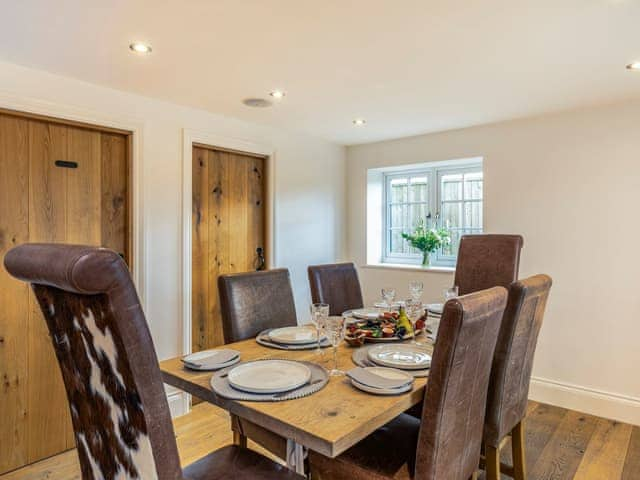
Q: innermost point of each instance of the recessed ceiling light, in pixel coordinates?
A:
(277, 94)
(140, 47)
(359, 122)
(634, 66)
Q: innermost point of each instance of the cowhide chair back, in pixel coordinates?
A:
(118, 405)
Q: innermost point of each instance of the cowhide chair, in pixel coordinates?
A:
(118, 405)
(337, 285)
(445, 443)
(250, 303)
(511, 374)
(486, 261)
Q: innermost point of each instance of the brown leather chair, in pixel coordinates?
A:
(445, 444)
(511, 374)
(486, 261)
(337, 285)
(254, 301)
(102, 342)
(250, 303)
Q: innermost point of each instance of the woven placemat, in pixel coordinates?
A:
(319, 378)
(263, 339)
(361, 358)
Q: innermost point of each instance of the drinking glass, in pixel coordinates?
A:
(319, 314)
(335, 333)
(415, 289)
(388, 295)
(450, 293)
(413, 309)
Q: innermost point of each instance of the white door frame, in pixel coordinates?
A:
(227, 143)
(98, 119)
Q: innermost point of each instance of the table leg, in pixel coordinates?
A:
(239, 438)
(296, 454)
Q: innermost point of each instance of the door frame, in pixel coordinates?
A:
(71, 115)
(213, 140)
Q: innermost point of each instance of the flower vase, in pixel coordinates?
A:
(426, 259)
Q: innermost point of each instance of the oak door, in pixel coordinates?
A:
(228, 226)
(58, 183)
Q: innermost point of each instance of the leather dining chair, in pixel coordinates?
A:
(255, 301)
(337, 285)
(251, 303)
(487, 260)
(118, 404)
(511, 374)
(445, 443)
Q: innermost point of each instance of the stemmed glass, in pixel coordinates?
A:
(450, 293)
(414, 310)
(415, 289)
(388, 295)
(335, 333)
(319, 314)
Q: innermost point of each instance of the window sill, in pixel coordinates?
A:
(409, 267)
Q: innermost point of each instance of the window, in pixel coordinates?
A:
(445, 196)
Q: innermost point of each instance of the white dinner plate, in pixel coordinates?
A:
(209, 368)
(435, 308)
(381, 391)
(214, 359)
(403, 356)
(394, 305)
(366, 313)
(269, 376)
(294, 335)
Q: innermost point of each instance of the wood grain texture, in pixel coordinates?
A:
(605, 454)
(14, 295)
(42, 202)
(329, 421)
(228, 221)
(631, 470)
(206, 428)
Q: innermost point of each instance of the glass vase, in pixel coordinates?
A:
(426, 259)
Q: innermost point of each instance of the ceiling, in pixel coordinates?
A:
(406, 66)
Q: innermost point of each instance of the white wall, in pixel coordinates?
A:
(309, 184)
(570, 184)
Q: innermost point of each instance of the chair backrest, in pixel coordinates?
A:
(513, 358)
(254, 301)
(486, 261)
(119, 410)
(455, 400)
(337, 285)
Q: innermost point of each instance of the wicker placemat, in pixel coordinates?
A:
(361, 358)
(263, 339)
(319, 378)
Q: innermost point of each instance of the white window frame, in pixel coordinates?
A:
(434, 175)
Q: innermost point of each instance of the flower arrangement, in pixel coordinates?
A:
(427, 240)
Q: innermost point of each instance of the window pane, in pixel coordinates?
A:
(451, 185)
(452, 248)
(451, 215)
(473, 186)
(398, 217)
(397, 243)
(418, 189)
(472, 215)
(398, 190)
(417, 212)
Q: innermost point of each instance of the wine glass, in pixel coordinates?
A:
(319, 314)
(415, 289)
(335, 333)
(450, 293)
(413, 309)
(388, 295)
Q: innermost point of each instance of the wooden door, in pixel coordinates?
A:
(228, 226)
(84, 200)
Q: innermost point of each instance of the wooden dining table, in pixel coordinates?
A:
(329, 421)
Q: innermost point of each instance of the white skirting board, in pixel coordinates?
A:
(179, 402)
(614, 406)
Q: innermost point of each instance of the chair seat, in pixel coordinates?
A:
(236, 463)
(388, 453)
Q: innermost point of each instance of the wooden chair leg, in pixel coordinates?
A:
(474, 475)
(492, 462)
(517, 446)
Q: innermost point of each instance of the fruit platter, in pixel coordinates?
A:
(388, 327)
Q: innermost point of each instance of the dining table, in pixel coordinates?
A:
(329, 421)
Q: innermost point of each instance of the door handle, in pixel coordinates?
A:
(260, 263)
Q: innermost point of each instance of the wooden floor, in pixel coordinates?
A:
(561, 444)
